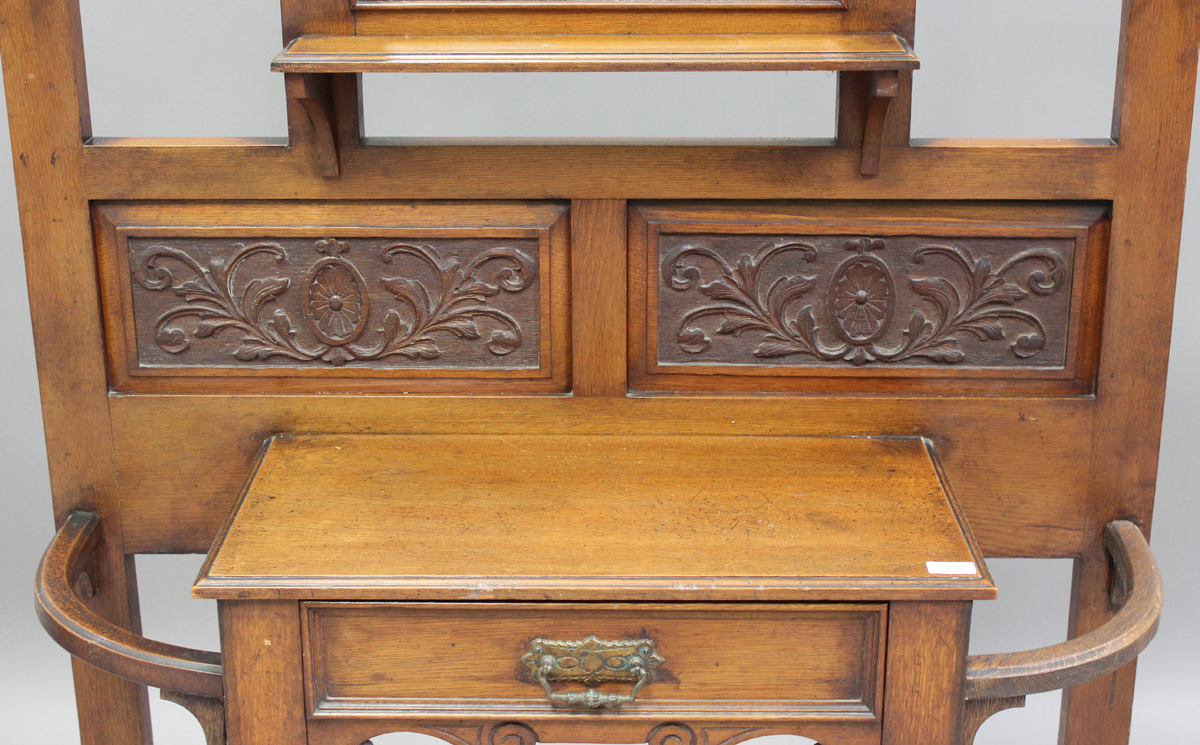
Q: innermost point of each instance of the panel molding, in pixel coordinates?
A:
(809, 297)
(396, 296)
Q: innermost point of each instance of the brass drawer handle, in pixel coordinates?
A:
(592, 662)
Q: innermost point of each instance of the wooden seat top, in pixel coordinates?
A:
(595, 517)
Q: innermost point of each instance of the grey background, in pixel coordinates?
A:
(1018, 68)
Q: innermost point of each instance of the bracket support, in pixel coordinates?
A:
(313, 122)
(885, 86)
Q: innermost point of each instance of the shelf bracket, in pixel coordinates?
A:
(885, 85)
(313, 125)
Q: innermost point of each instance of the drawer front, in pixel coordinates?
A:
(898, 297)
(709, 661)
(278, 297)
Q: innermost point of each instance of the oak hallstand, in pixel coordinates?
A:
(517, 442)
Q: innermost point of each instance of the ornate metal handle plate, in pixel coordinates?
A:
(592, 662)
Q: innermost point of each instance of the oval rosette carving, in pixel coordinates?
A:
(972, 298)
(336, 304)
(862, 298)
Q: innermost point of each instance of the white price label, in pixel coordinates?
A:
(954, 568)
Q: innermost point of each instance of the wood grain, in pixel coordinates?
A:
(598, 297)
(209, 713)
(46, 87)
(134, 168)
(1018, 466)
(1157, 66)
(395, 259)
(264, 693)
(885, 87)
(595, 53)
(1033, 479)
(977, 711)
(301, 17)
(324, 111)
(692, 328)
(1138, 596)
(855, 88)
(102, 644)
(745, 661)
(566, 517)
(927, 644)
(545, 19)
(312, 121)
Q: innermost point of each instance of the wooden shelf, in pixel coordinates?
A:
(597, 53)
(596, 518)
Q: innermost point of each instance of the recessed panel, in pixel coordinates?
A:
(371, 294)
(778, 298)
(710, 662)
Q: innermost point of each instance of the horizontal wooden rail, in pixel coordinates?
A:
(140, 168)
(1001, 681)
(97, 641)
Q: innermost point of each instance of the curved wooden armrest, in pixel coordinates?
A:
(1137, 590)
(102, 644)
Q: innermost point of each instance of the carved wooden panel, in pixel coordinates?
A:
(294, 302)
(830, 300)
(358, 293)
(795, 302)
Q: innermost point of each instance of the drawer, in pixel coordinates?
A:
(281, 297)
(707, 662)
(866, 297)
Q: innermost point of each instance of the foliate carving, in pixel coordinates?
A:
(730, 735)
(457, 735)
(438, 295)
(671, 734)
(512, 733)
(956, 294)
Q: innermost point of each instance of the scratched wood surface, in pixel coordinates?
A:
(1018, 466)
(594, 518)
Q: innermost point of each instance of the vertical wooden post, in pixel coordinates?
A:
(598, 304)
(336, 98)
(855, 88)
(41, 41)
(1157, 79)
(264, 693)
(926, 673)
